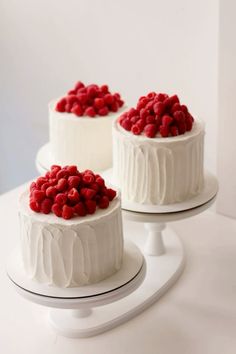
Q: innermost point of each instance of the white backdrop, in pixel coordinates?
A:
(134, 46)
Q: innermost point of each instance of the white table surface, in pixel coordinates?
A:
(197, 315)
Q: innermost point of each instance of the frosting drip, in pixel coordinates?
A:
(158, 171)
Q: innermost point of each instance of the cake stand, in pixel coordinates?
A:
(44, 159)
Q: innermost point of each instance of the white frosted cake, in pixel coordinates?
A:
(80, 128)
(75, 249)
(156, 164)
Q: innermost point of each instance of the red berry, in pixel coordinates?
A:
(40, 181)
(126, 124)
(174, 130)
(111, 193)
(164, 131)
(73, 195)
(104, 202)
(68, 107)
(38, 196)
(132, 112)
(79, 85)
(160, 97)
(54, 170)
(100, 181)
(80, 209)
(61, 185)
(167, 120)
(104, 89)
(90, 112)
(184, 109)
(34, 206)
(94, 186)
(73, 181)
(103, 111)
(57, 210)
(71, 99)
(33, 186)
(144, 113)
(189, 123)
(72, 170)
(45, 186)
(99, 103)
(92, 91)
(77, 110)
(159, 108)
(51, 192)
(71, 92)
(87, 193)
(141, 123)
(67, 212)
(82, 98)
(114, 107)
(150, 119)
(61, 198)
(136, 129)
(149, 105)
(46, 205)
(182, 127)
(108, 98)
(88, 178)
(179, 116)
(117, 96)
(60, 106)
(170, 101)
(176, 107)
(90, 206)
(150, 130)
(62, 173)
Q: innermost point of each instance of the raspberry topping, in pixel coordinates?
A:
(89, 101)
(157, 114)
(66, 192)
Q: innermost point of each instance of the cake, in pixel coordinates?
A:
(80, 126)
(71, 228)
(158, 152)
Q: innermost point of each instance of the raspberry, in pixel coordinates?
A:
(184, 109)
(141, 123)
(143, 113)
(90, 112)
(67, 212)
(61, 198)
(100, 181)
(114, 107)
(79, 85)
(126, 124)
(170, 101)
(61, 185)
(120, 103)
(51, 192)
(174, 130)
(72, 170)
(90, 206)
(68, 107)
(62, 173)
(87, 193)
(57, 210)
(73, 195)
(104, 202)
(181, 127)
(77, 110)
(46, 205)
(71, 99)
(54, 170)
(111, 193)
(150, 119)
(40, 181)
(80, 209)
(189, 123)
(109, 99)
(88, 178)
(104, 89)
(179, 116)
(132, 112)
(159, 108)
(150, 130)
(136, 129)
(160, 97)
(103, 111)
(134, 119)
(82, 98)
(60, 106)
(176, 107)
(99, 103)
(167, 120)
(33, 186)
(94, 186)
(149, 105)
(73, 181)
(164, 131)
(34, 206)
(45, 186)
(91, 91)
(117, 96)
(38, 196)
(71, 92)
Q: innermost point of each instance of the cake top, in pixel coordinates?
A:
(89, 101)
(67, 192)
(157, 115)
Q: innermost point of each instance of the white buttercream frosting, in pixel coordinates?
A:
(158, 170)
(82, 141)
(69, 253)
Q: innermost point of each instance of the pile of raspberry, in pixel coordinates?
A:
(67, 192)
(90, 101)
(157, 113)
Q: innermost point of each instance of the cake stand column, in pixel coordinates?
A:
(154, 245)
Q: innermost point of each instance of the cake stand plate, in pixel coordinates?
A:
(44, 159)
(209, 191)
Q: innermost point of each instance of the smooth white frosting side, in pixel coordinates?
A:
(82, 141)
(159, 170)
(69, 253)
